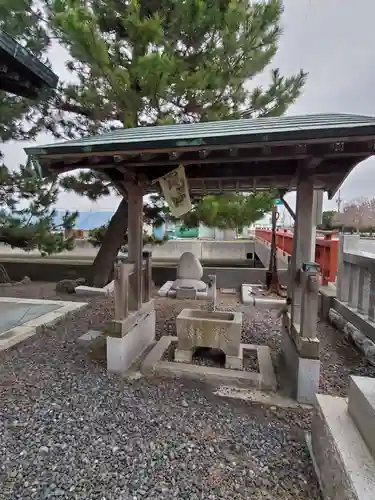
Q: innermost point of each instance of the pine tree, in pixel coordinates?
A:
(230, 211)
(148, 62)
(27, 216)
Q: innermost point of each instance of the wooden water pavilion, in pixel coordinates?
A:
(302, 153)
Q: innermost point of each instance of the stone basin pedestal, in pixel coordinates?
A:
(215, 329)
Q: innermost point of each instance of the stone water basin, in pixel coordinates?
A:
(217, 329)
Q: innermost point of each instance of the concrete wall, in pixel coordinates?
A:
(169, 251)
(42, 270)
(226, 277)
(366, 245)
(263, 251)
(56, 270)
(204, 250)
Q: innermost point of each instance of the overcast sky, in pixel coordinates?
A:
(331, 39)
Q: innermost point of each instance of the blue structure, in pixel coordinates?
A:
(159, 232)
(87, 220)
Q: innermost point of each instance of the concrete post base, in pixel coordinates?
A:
(183, 355)
(124, 350)
(304, 372)
(234, 362)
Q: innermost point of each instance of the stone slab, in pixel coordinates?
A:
(17, 313)
(186, 293)
(166, 291)
(265, 380)
(183, 355)
(92, 291)
(30, 327)
(228, 291)
(90, 336)
(265, 365)
(345, 467)
(255, 396)
(163, 291)
(216, 376)
(361, 408)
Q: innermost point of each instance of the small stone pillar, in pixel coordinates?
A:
(121, 279)
(211, 295)
(147, 288)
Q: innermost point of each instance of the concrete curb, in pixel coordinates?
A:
(264, 380)
(92, 291)
(17, 334)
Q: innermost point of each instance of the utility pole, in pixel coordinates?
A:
(338, 201)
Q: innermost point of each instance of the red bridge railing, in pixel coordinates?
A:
(326, 250)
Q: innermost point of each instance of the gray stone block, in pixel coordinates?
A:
(361, 408)
(344, 465)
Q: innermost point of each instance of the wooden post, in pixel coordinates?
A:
(148, 276)
(121, 291)
(135, 238)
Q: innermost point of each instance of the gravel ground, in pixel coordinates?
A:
(69, 430)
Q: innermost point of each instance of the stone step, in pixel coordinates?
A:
(361, 408)
(163, 291)
(344, 464)
(90, 337)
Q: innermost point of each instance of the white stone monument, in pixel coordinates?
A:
(189, 284)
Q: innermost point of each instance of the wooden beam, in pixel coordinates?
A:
(213, 161)
(174, 155)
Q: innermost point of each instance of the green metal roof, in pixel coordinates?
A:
(303, 127)
(23, 72)
(231, 155)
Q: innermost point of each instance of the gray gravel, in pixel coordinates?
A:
(69, 430)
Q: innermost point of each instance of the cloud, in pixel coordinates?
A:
(332, 40)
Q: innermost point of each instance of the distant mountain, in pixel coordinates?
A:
(87, 220)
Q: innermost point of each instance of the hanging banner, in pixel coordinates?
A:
(176, 192)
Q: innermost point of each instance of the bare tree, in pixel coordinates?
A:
(357, 215)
